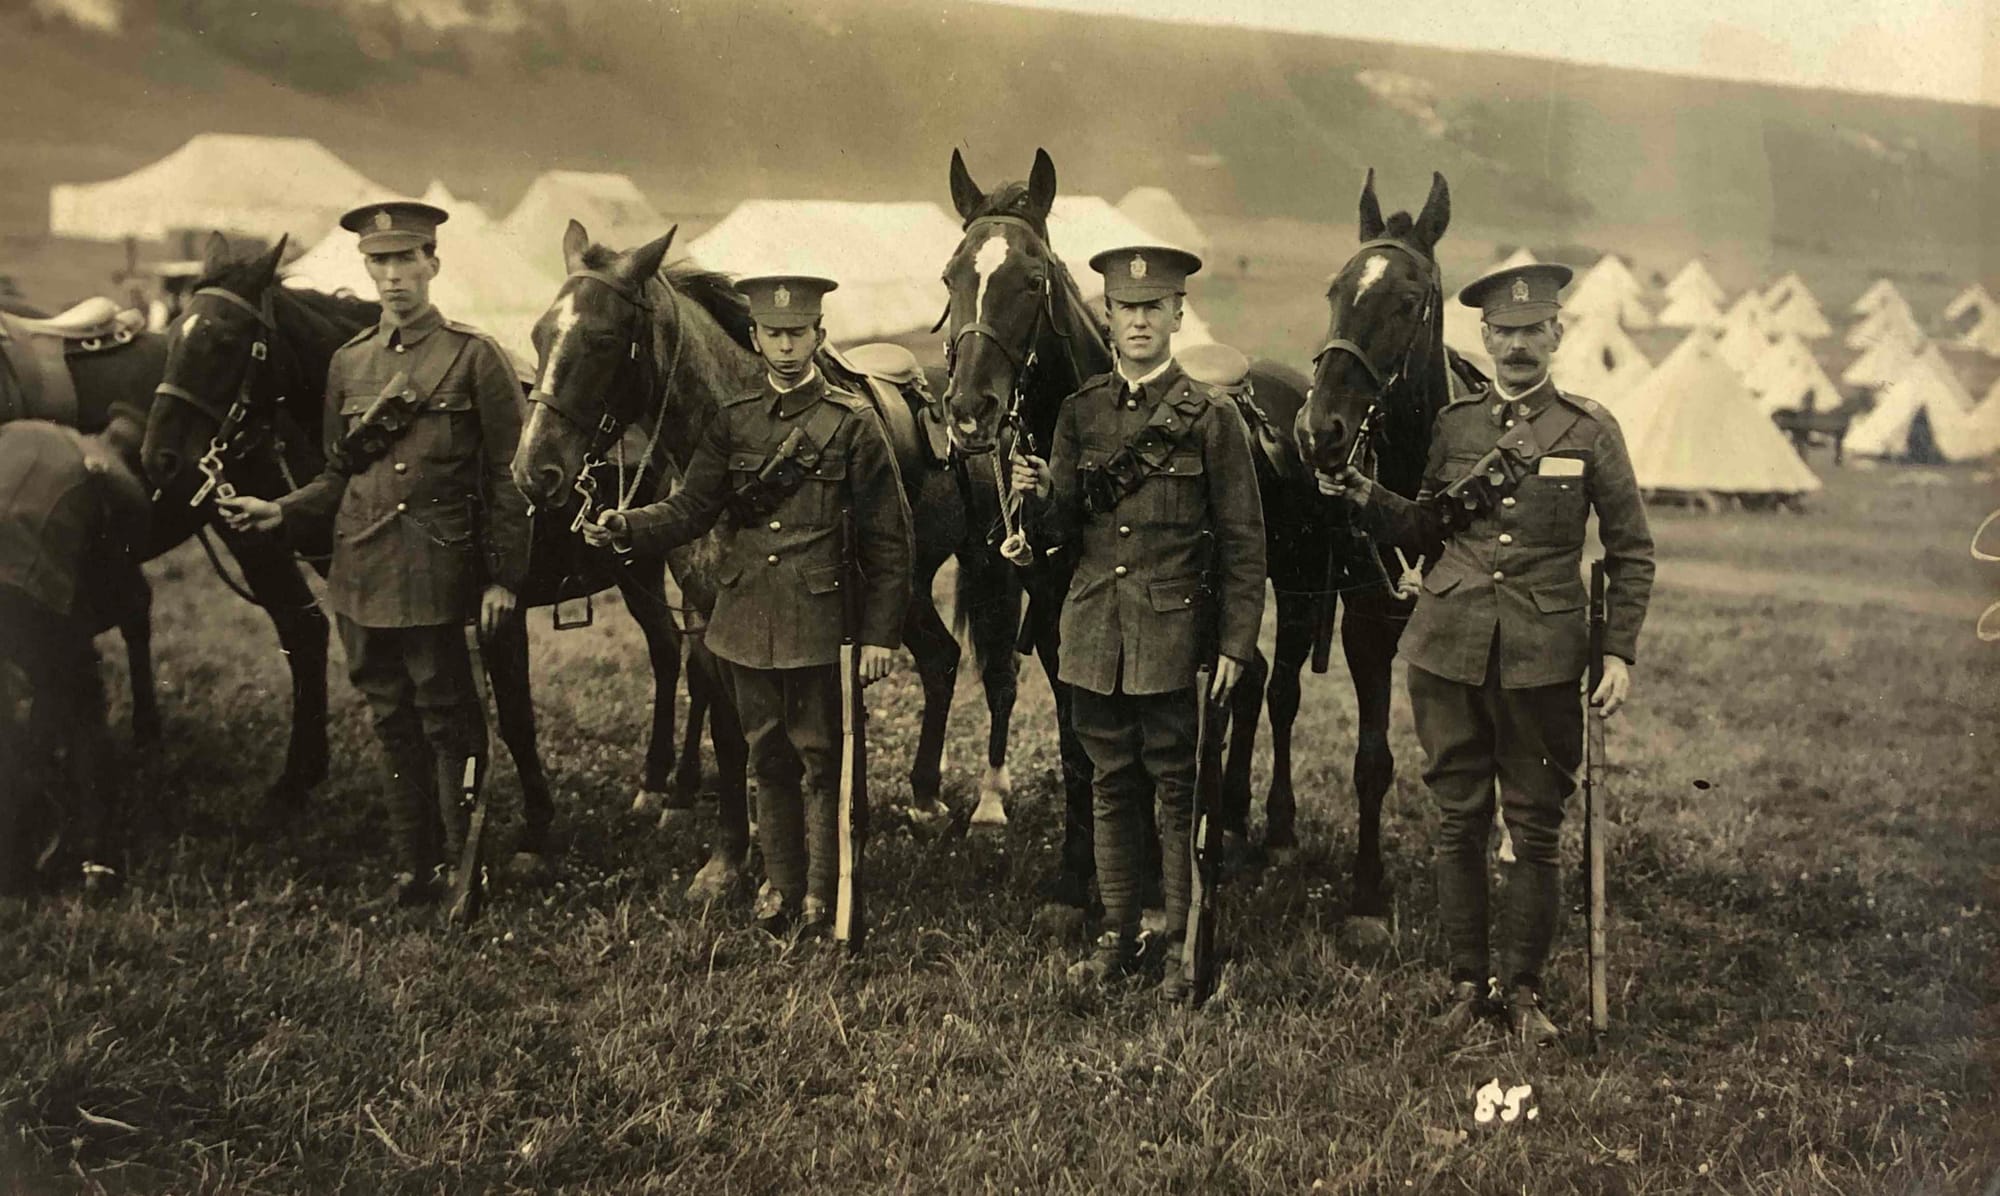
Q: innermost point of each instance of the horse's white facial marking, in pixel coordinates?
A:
(1372, 271)
(985, 264)
(566, 321)
(188, 325)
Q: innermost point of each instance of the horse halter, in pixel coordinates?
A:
(1433, 296)
(233, 433)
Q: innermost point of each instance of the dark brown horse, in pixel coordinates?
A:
(631, 353)
(245, 388)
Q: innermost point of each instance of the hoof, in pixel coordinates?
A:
(929, 818)
(673, 818)
(1058, 922)
(1282, 857)
(1367, 937)
(528, 868)
(994, 791)
(716, 880)
(1153, 921)
(647, 800)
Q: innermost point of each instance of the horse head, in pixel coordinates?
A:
(1385, 327)
(595, 363)
(216, 351)
(1002, 280)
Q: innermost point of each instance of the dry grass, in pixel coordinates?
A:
(1804, 879)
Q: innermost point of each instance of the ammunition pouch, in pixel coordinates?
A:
(786, 469)
(1144, 455)
(380, 427)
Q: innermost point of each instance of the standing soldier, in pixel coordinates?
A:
(428, 530)
(792, 460)
(1151, 479)
(1497, 644)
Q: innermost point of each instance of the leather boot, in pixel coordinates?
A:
(1530, 1025)
(1115, 957)
(1467, 1005)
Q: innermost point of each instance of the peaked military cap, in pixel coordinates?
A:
(1519, 295)
(1142, 273)
(785, 300)
(393, 225)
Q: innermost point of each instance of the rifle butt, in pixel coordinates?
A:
(850, 923)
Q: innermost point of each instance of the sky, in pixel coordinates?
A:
(1936, 49)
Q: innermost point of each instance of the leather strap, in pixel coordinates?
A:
(1135, 463)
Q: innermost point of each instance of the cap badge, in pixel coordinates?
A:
(1138, 266)
(1520, 290)
(383, 220)
(781, 297)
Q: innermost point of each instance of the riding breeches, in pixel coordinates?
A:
(1141, 746)
(791, 724)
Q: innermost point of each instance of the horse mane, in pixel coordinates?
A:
(711, 290)
(1010, 199)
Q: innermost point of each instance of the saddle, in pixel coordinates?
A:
(1228, 371)
(893, 380)
(35, 381)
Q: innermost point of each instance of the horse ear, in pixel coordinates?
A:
(644, 262)
(575, 241)
(215, 254)
(1436, 214)
(1042, 185)
(966, 195)
(267, 265)
(1371, 209)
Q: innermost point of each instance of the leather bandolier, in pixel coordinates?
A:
(786, 469)
(1146, 454)
(1493, 477)
(389, 417)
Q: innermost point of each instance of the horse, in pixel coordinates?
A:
(1020, 339)
(244, 394)
(628, 348)
(1380, 377)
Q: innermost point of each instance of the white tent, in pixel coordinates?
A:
(1691, 427)
(1520, 257)
(1782, 291)
(481, 281)
(1695, 283)
(609, 205)
(1923, 412)
(1798, 314)
(1880, 362)
(1461, 332)
(463, 212)
(1598, 360)
(1879, 292)
(1744, 335)
(1972, 299)
(1976, 317)
(1692, 308)
(1156, 210)
(263, 187)
(1608, 291)
(1892, 319)
(887, 257)
(1084, 225)
(1789, 378)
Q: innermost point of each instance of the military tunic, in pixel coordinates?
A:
(1133, 622)
(778, 605)
(417, 534)
(1499, 641)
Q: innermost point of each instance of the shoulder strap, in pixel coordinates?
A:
(1500, 472)
(390, 416)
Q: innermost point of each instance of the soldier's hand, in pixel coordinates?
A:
(874, 663)
(496, 607)
(1031, 475)
(1228, 671)
(1615, 688)
(1350, 484)
(608, 530)
(248, 513)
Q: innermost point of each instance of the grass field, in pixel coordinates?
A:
(1804, 880)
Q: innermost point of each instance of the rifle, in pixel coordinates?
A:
(1593, 812)
(850, 915)
(468, 886)
(1199, 965)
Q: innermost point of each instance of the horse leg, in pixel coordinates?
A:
(687, 773)
(1070, 886)
(642, 583)
(275, 581)
(1246, 703)
(989, 605)
(729, 854)
(1368, 640)
(505, 657)
(937, 652)
(1296, 613)
(136, 629)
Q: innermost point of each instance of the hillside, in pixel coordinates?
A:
(1240, 124)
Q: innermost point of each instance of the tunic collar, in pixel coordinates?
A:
(789, 401)
(1535, 399)
(1151, 376)
(413, 330)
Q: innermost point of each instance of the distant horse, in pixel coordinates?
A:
(628, 348)
(244, 399)
(1380, 378)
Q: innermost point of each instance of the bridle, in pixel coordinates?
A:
(607, 421)
(1361, 453)
(235, 433)
(1013, 539)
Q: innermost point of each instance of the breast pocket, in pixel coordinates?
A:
(1552, 509)
(1177, 493)
(823, 492)
(447, 430)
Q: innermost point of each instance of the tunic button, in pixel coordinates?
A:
(400, 348)
(1507, 501)
(1124, 529)
(1506, 538)
(402, 506)
(402, 467)
(1510, 423)
(772, 559)
(1499, 576)
(776, 526)
(1120, 571)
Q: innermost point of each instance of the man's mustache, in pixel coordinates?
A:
(1518, 359)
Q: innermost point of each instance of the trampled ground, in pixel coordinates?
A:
(1804, 880)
